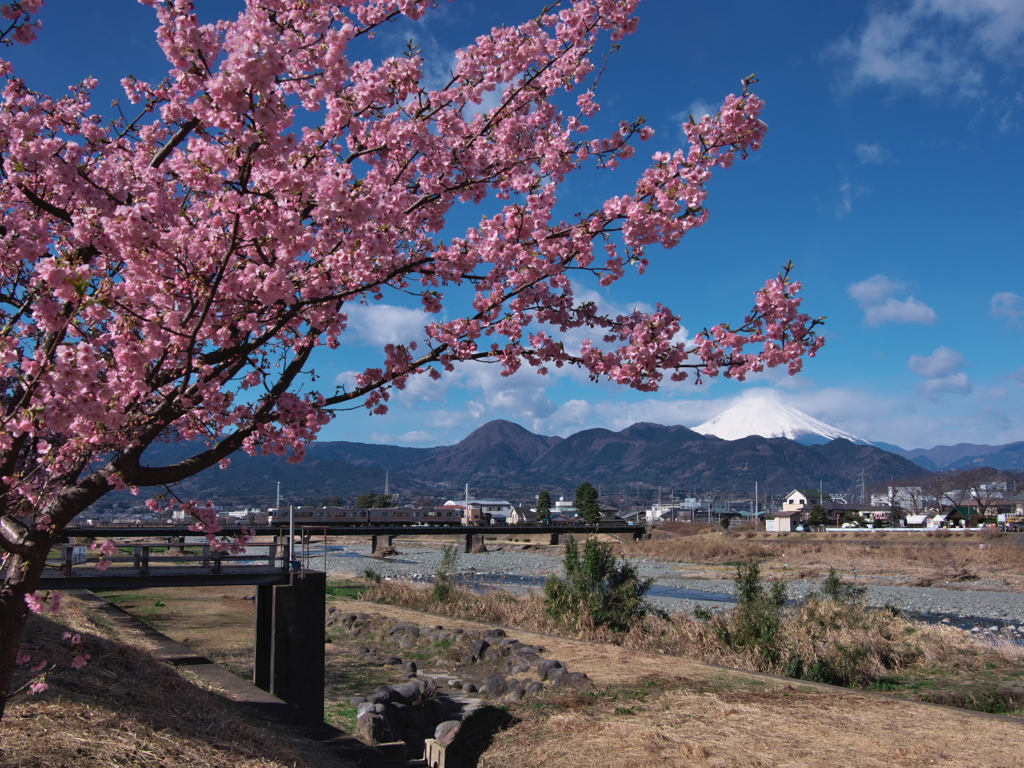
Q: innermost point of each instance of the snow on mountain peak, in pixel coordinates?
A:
(770, 418)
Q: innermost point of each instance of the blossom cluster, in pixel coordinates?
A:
(170, 276)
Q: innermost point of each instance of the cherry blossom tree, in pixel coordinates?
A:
(168, 273)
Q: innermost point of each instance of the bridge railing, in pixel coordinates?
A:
(137, 559)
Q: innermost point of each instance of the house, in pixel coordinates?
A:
(483, 511)
(799, 500)
(522, 515)
(785, 521)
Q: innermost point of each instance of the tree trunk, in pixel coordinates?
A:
(21, 578)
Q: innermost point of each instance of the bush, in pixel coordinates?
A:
(598, 588)
(839, 591)
(444, 579)
(756, 621)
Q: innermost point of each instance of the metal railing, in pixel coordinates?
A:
(139, 559)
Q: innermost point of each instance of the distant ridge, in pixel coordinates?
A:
(766, 417)
(502, 459)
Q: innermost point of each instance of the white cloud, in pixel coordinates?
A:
(346, 379)
(942, 362)
(935, 46)
(381, 324)
(1008, 305)
(699, 109)
(908, 310)
(955, 384)
(941, 369)
(847, 194)
(875, 297)
(872, 154)
(875, 289)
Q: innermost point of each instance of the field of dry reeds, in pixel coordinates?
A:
(918, 557)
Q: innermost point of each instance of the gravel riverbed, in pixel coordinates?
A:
(519, 570)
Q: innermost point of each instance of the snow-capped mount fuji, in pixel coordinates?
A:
(769, 418)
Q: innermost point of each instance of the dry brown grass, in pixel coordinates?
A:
(743, 728)
(938, 555)
(820, 640)
(126, 709)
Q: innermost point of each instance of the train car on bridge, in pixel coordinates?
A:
(399, 516)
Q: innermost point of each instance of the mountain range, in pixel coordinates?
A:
(778, 447)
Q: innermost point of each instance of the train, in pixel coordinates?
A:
(399, 516)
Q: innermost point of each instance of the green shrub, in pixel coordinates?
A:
(444, 579)
(756, 620)
(839, 591)
(598, 587)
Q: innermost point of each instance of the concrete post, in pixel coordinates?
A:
(379, 541)
(554, 539)
(474, 540)
(290, 640)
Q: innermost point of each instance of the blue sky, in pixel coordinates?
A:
(891, 176)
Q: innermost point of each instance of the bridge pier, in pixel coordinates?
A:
(554, 540)
(290, 640)
(474, 540)
(376, 540)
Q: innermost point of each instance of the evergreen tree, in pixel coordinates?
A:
(587, 506)
(543, 506)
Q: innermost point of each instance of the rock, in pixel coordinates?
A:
(436, 710)
(477, 647)
(375, 729)
(545, 666)
(494, 653)
(407, 693)
(446, 732)
(533, 687)
(410, 668)
(522, 662)
(381, 695)
(392, 661)
(572, 680)
(428, 687)
(555, 674)
(496, 686)
(469, 687)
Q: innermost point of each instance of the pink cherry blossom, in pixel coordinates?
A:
(171, 278)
